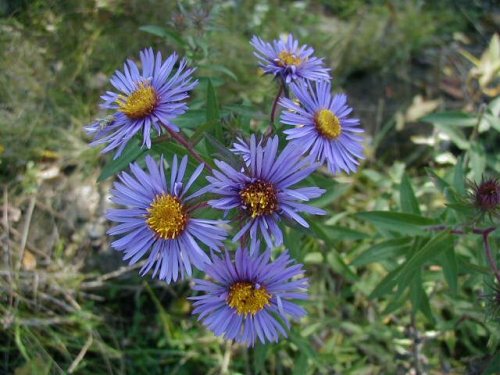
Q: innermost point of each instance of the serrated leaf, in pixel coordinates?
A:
(130, 154)
(383, 250)
(399, 222)
(407, 197)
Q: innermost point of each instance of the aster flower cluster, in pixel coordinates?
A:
(249, 294)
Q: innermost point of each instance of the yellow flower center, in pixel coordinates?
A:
(140, 103)
(287, 58)
(259, 198)
(247, 298)
(167, 216)
(327, 124)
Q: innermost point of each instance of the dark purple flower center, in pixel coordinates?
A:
(259, 198)
(487, 195)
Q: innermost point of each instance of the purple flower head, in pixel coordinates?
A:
(145, 101)
(242, 148)
(262, 191)
(244, 296)
(485, 197)
(322, 127)
(157, 220)
(285, 59)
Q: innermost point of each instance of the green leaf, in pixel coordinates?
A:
(334, 192)
(191, 119)
(459, 119)
(407, 197)
(437, 244)
(455, 134)
(219, 68)
(473, 268)
(439, 182)
(337, 233)
(493, 367)
(449, 264)
(419, 298)
(477, 160)
(300, 365)
(164, 33)
(338, 265)
(223, 151)
(459, 176)
(130, 154)
(213, 112)
(260, 355)
(245, 110)
(387, 284)
(399, 222)
(384, 250)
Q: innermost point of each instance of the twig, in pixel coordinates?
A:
(197, 206)
(26, 229)
(80, 355)
(489, 255)
(226, 359)
(98, 282)
(6, 226)
(8, 265)
(183, 141)
(270, 128)
(416, 345)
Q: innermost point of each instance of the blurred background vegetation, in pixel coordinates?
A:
(423, 76)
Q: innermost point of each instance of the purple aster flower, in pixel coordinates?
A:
(145, 101)
(242, 148)
(245, 297)
(322, 126)
(288, 61)
(158, 220)
(485, 197)
(262, 190)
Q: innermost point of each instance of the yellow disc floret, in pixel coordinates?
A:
(167, 216)
(247, 298)
(259, 198)
(327, 124)
(287, 58)
(140, 103)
